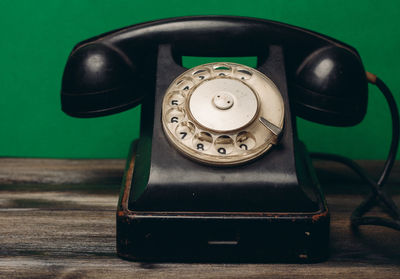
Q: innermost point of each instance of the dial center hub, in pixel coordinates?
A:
(223, 100)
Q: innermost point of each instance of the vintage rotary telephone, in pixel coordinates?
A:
(218, 172)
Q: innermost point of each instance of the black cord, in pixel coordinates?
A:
(394, 112)
(377, 193)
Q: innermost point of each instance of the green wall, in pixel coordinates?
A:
(37, 36)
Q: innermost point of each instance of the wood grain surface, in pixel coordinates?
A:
(57, 220)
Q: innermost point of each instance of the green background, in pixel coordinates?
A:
(37, 36)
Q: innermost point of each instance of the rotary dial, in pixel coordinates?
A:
(222, 113)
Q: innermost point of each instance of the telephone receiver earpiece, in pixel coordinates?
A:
(330, 87)
(114, 71)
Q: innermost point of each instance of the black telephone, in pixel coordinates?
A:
(218, 172)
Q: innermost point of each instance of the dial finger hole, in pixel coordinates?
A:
(201, 74)
(175, 115)
(176, 99)
(244, 74)
(184, 85)
(202, 141)
(224, 145)
(222, 69)
(185, 130)
(245, 141)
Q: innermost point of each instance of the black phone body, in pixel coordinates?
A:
(171, 207)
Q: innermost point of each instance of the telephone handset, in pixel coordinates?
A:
(114, 72)
(219, 172)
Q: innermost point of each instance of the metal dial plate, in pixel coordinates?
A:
(222, 113)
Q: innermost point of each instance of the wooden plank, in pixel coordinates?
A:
(68, 231)
(60, 171)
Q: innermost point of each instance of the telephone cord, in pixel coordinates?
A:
(377, 191)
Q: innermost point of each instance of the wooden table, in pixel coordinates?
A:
(57, 219)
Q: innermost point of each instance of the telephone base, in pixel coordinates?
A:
(220, 236)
